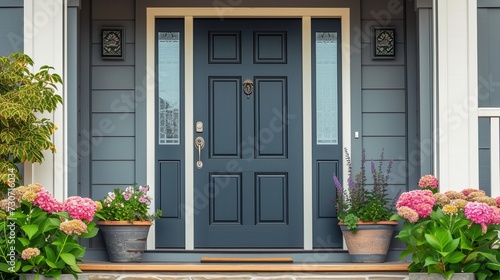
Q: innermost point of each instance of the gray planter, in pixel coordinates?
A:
(63, 277)
(125, 242)
(433, 276)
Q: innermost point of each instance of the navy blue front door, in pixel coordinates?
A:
(248, 106)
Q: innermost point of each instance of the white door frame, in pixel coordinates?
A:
(306, 14)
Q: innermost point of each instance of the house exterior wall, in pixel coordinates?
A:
(488, 14)
(112, 111)
(113, 90)
(11, 29)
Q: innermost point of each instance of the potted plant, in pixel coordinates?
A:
(23, 95)
(364, 211)
(39, 235)
(125, 219)
(449, 233)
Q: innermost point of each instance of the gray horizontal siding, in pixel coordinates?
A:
(484, 154)
(488, 4)
(383, 77)
(11, 29)
(383, 95)
(113, 172)
(113, 101)
(394, 124)
(114, 148)
(382, 10)
(376, 101)
(394, 147)
(113, 77)
(113, 124)
(121, 10)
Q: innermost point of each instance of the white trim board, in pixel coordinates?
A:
(306, 14)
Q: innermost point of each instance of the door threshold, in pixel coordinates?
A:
(245, 260)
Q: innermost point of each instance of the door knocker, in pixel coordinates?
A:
(248, 87)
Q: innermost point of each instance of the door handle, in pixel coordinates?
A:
(199, 143)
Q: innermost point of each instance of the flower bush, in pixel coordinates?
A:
(39, 234)
(131, 204)
(450, 232)
(359, 202)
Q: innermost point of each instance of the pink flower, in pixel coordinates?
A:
(46, 202)
(479, 213)
(468, 191)
(428, 181)
(408, 213)
(495, 216)
(420, 201)
(144, 200)
(126, 196)
(498, 200)
(80, 208)
(144, 189)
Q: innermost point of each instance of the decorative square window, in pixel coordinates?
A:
(383, 42)
(113, 42)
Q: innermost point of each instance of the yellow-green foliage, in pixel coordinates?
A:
(23, 95)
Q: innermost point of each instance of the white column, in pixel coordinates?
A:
(45, 43)
(456, 90)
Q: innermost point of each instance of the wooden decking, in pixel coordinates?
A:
(244, 267)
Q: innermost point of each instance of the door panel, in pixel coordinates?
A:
(252, 160)
(169, 133)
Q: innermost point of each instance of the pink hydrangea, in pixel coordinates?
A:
(495, 216)
(421, 201)
(46, 202)
(498, 200)
(408, 213)
(81, 208)
(479, 213)
(428, 181)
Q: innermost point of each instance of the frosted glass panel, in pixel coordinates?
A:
(169, 88)
(327, 115)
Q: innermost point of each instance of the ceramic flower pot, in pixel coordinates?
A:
(371, 241)
(433, 276)
(63, 277)
(125, 241)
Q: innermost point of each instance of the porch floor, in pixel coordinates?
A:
(245, 271)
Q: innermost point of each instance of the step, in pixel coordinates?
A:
(245, 270)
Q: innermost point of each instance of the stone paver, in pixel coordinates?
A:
(246, 276)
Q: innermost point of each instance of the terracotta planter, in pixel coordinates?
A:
(433, 276)
(125, 241)
(371, 241)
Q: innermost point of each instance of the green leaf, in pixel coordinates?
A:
(494, 266)
(27, 268)
(430, 261)
(51, 256)
(30, 230)
(68, 258)
(24, 241)
(471, 267)
(50, 263)
(4, 267)
(454, 257)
